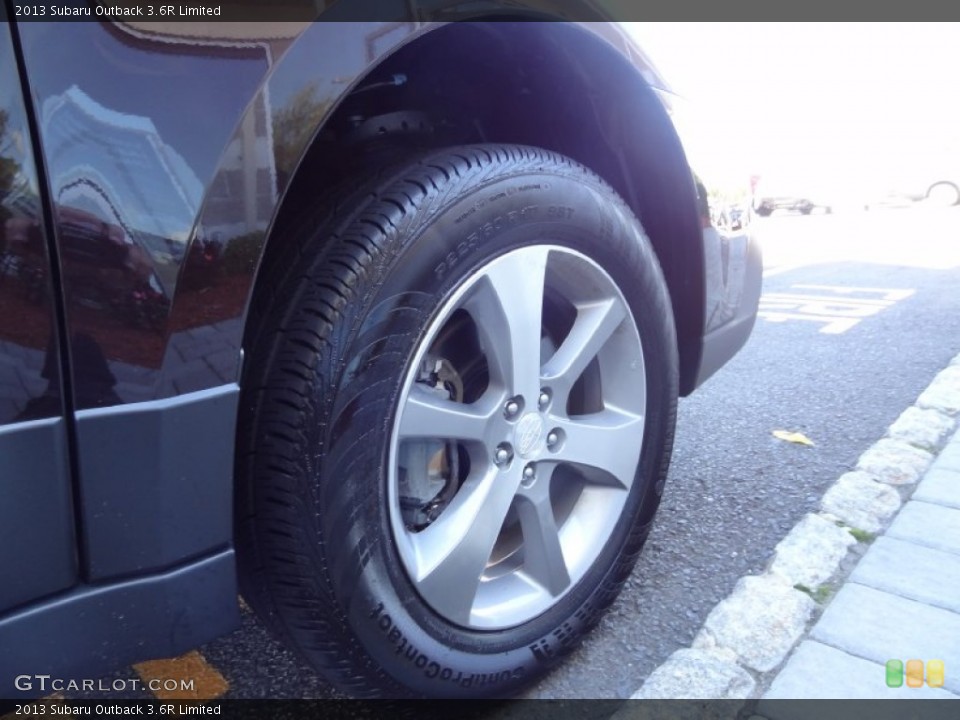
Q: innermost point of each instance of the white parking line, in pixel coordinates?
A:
(779, 270)
(836, 307)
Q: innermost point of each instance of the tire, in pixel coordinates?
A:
(806, 209)
(384, 334)
(764, 211)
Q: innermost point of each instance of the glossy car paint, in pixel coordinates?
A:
(175, 157)
(168, 156)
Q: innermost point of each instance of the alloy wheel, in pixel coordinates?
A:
(517, 437)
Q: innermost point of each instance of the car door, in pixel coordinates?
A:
(38, 550)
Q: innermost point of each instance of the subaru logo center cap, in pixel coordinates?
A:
(528, 433)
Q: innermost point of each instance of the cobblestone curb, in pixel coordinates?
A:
(749, 634)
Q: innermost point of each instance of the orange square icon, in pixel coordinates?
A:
(935, 673)
(914, 673)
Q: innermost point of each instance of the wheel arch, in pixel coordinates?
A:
(559, 86)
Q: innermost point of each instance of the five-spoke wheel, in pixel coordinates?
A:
(529, 462)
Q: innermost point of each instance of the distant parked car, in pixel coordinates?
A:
(916, 170)
(786, 193)
(935, 189)
(924, 170)
(943, 192)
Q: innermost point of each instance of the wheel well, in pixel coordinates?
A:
(550, 85)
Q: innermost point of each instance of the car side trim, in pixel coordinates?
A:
(37, 550)
(734, 282)
(93, 630)
(157, 481)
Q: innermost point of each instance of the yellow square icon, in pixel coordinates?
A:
(914, 673)
(935, 673)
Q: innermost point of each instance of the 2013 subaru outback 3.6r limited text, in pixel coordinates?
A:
(379, 325)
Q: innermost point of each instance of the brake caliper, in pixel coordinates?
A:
(429, 470)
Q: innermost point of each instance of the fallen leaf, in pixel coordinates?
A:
(794, 437)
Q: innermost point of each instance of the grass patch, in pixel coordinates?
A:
(861, 535)
(819, 595)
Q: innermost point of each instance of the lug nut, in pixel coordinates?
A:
(513, 407)
(544, 399)
(503, 455)
(555, 439)
(529, 476)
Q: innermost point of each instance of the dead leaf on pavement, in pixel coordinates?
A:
(793, 437)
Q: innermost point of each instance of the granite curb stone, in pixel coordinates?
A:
(811, 552)
(860, 502)
(759, 625)
(944, 392)
(760, 621)
(694, 673)
(894, 462)
(925, 429)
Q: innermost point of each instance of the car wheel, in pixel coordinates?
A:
(943, 194)
(806, 209)
(457, 421)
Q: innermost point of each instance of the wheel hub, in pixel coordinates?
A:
(528, 434)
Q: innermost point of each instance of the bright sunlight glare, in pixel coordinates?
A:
(845, 107)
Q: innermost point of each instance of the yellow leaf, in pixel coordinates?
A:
(794, 437)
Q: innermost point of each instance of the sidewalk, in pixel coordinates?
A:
(853, 592)
(901, 602)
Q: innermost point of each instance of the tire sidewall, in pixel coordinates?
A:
(426, 256)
